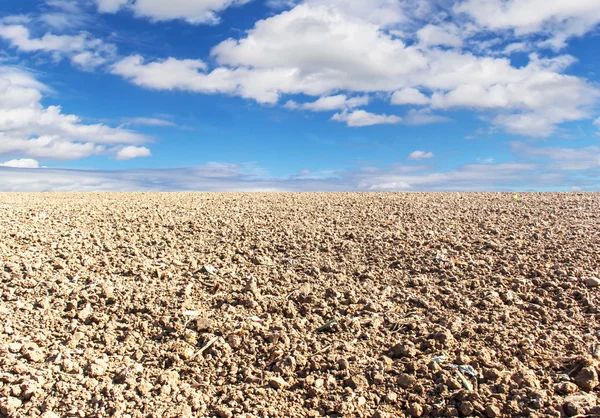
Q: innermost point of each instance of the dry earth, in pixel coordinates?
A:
(299, 305)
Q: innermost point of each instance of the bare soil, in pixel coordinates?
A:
(299, 305)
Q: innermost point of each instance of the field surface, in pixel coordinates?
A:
(299, 305)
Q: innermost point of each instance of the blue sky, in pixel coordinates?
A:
(379, 95)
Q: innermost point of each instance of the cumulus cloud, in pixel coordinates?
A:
(560, 19)
(360, 118)
(29, 128)
(341, 52)
(420, 155)
(315, 50)
(82, 49)
(432, 35)
(131, 152)
(21, 163)
(191, 11)
(409, 96)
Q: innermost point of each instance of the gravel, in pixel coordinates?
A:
(299, 305)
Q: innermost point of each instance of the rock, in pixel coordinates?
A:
(466, 408)
(380, 414)
(357, 382)
(208, 268)
(492, 411)
(592, 282)
(97, 368)
(223, 412)
(49, 414)
(32, 352)
(403, 350)
(415, 410)
(406, 381)
(571, 409)
(85, 313)
(15, 347)
(526, 379)
(579, 403)
(278, 383)
(70, 366)
(587, 378)
(9, 405)
(566, 388)
(252, 287)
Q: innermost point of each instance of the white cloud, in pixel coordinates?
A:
(560, 19)
(341, 51)
(21, 163)
(420, 155)
(325, 50)
(409, 96)
(328, 103)
(83, 50)
(597, 122)
(192, 11)
(33, 130)
(586, 158)
(131, 152)
(142, 121)
(359, 118)
(432, 35)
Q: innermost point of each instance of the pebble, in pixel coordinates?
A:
(415, 410)
(406, 381)
(357, 382)
(9, 405)
(592, 282)
(587, 378)
(49, 414)
(15, 347)
(32, 352)
(492, 411)
(278, 383)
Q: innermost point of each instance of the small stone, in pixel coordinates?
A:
(406, 381)
(403, 350)
(357, 382)
(579, 403)
(85, 313)
(391, 397)
(49, 414)
(492, 411)
(224, 412)
(32, 352)
(97, 368)
(15, 347)
(380, 414)
(587, 378)
(278, 383)
(208, 268)
(70, 366)
(466, 408)
(566, 388)
(592, 282)
(252, 287)
(415, 410)
(571, 409)
(9, 405)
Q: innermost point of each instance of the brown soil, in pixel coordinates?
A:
(299, 305)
